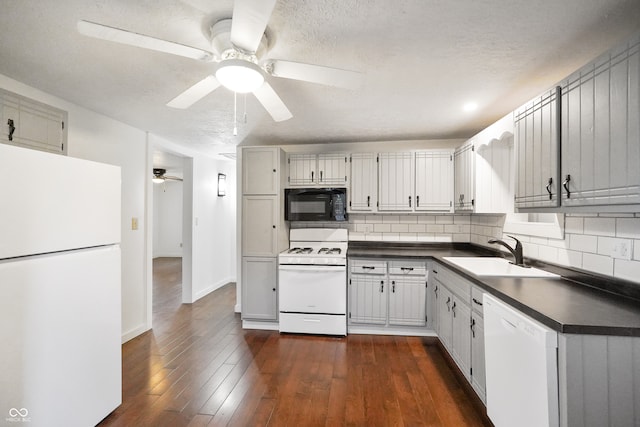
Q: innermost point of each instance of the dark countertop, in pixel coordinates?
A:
(564, 305)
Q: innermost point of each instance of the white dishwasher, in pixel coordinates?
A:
(521, 364)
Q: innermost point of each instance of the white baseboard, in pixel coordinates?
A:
(373, 330)
(131, 334)
(211, 288)
(237, 308)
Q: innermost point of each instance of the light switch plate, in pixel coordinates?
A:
(622, 249)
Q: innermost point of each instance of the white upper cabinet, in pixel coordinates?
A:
(434, 181)
(601, 130)
(364, 182)
(31, 124)
(537, 135)
(302, 169)
(464, 164)
(326, 170)
(260, 170)
(332, 169)
(396, 175)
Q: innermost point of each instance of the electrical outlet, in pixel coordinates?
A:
(621, 249)
(134, 223)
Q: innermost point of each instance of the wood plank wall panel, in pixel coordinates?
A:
(596, 380)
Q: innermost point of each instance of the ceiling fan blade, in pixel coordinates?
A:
(250, 19)
(272, 103)
(118, 35)
(315, 74)
(195, 93)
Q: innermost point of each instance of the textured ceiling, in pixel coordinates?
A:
(421, 59)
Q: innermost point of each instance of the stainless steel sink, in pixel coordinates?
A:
(497, 267)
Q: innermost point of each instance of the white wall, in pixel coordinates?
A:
(96, 137)
(167, 219)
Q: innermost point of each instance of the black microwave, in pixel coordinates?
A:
(315, 204)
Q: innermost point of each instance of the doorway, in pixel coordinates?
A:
(168, 246)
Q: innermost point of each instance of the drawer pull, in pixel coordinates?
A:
(406, 268)
(367, 267)
(476, 301)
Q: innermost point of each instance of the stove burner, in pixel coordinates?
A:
(300, 251)
(330, 251)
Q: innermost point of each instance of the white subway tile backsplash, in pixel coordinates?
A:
(409, 219)
(588, 242)
(462, 219)
(426, 219)
(574, 225)
(600, 226)
(583, 243)
(598, 264)
(570, 258)
(381, 228)
(391, 218)
(441, 219)
(399, 228)
(629, 270)
(628, 227)
(435, 228)
(417, 228)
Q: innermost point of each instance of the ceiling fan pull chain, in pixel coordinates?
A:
(245, 108)
(235, 114)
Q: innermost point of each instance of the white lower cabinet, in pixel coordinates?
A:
(259, 291)
(478, 371)
(387, 294)
(460, 324)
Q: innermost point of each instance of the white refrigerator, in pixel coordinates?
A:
(60, 307)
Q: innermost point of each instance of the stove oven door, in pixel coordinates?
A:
(318, 289)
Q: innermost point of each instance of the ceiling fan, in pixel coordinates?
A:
(238, 45)
(159, 176)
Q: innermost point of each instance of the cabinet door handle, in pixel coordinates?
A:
(476, 301)
(393, 286)
(409, 201)
(12, 129)
(448, 301)
(549, 188)
(274, 289)
(273, 226)
(435, 291)
(366, 267)
(417, 201)
(381, 286)
(473, 329)
(453, 309)
(320, 176)
(406, 268)
(368, 201)
(311, 175)
(565, 184)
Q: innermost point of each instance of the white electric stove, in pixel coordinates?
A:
(312, 282)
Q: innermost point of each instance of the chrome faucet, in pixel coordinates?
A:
(517, 252)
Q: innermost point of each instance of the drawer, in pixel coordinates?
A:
(476, 299)
(459, 286)
(367, 266)
(408, 268)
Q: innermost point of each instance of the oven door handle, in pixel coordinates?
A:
(312, 268)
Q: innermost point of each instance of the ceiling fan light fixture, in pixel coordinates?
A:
(240, 76)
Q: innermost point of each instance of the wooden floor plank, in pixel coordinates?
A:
(198, 367)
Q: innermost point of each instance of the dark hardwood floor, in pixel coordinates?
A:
(198, 367)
